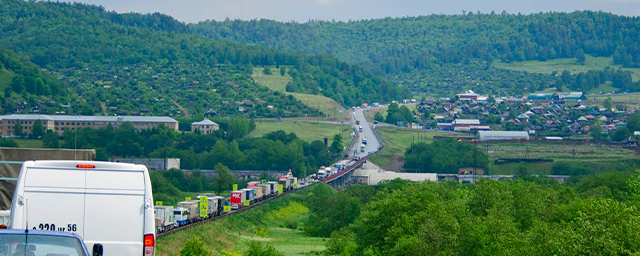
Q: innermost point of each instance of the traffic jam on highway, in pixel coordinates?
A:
(79, 208)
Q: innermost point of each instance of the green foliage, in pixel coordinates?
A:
(336, 145)
(378, 117)
(397, 114)
(633, 122)
(429, 52)
(608, 103)
(493, 218)
(224, 180)
(596, 131)
(256, 249)
(194, 247)
(37, 130)
(569, 168)
(17, 130)
(621, 134)
(444, 156)
(342, 242)
(158, 67)
(8, 143)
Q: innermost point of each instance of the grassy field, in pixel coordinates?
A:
(326, 105)
(277, 82)
(5, 78)
(570, 64)
(307, 131)
(279, 223)
(587, 154)
(397, 141)
(27, 143)
(630, 99)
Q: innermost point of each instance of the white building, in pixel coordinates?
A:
(502, 135)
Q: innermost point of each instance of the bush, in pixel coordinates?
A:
(194, 247)
(256, 249)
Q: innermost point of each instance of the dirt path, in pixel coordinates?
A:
(181, 108)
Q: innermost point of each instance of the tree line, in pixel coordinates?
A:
(445, 53)
(587, 215)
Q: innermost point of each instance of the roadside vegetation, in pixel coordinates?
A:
(276, 228)
(588, 215)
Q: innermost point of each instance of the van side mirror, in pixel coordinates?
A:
(97, 250)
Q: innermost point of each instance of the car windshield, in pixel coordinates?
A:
(39, 245)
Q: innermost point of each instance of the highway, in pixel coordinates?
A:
(372, 145)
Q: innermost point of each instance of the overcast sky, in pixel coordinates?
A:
(303, 10)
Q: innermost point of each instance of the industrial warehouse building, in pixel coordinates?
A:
(502, 135)
(59, 124)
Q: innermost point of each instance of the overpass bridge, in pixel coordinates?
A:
(359, 151)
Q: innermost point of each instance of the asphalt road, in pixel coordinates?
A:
(372, 141)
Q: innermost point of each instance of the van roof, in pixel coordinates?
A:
(98, 165)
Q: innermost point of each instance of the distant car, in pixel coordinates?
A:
(42, 242)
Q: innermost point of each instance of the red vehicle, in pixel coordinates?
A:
(253, 184)
(237, 197)
(357, 121)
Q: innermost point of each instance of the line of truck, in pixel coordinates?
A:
(206, 206)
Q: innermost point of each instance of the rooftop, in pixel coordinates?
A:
(155, 119)
(205, 122)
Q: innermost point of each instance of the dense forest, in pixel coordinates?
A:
(588, 215)
(134, 63)
(434, 51)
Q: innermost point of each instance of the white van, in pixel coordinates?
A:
(103, 202)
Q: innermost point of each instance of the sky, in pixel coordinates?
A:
(192, 11)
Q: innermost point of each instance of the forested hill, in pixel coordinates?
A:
(150, 64)
(398, 46)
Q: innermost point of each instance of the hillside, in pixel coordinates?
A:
(149, 64)
(446, 53)
(22, 81)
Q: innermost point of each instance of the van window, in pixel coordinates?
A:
(18, 244)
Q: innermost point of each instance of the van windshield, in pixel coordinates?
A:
(37, 245)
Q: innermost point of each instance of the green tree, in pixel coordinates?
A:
(596, 131)
(37, 129)
(621, 134)
(50, 139)
(224, 180)
(194, 246)
(17, 83)
(633, 122)
(378, 117)
(336, 145)
(608, 103)
(17, 129)
(342, 242)
(256, 249)
(283, 71)
(266, 71)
